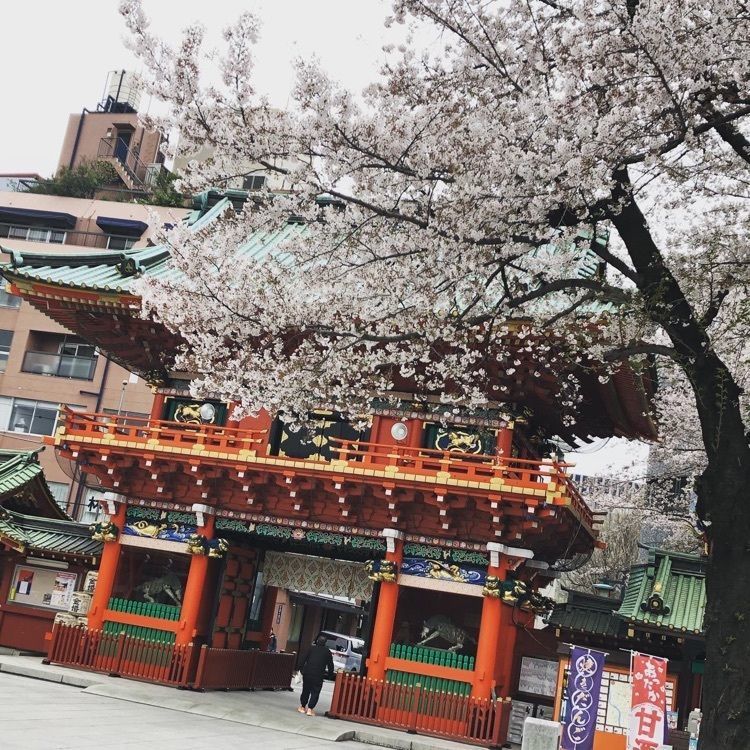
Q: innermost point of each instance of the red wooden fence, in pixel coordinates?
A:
(122, 655)
(201, 668)
(228, 669)
(411, 708)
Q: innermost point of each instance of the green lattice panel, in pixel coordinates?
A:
(437, 656)
(144, 609)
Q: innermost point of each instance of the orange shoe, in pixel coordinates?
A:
(301, 709)
(310, 712)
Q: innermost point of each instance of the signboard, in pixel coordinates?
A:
(584, 687)
(618, 705)
(648, 703)
(538, 677)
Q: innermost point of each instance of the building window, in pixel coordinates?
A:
(60, 491)
(6, 338)
(32, 234)
(29, 417)
(253, 182)
(9, 300)
(115, 242)
(62, 356)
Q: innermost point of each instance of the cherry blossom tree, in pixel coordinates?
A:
(464, 189)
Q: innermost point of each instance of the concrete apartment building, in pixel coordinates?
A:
(42, 365)
(111, 132)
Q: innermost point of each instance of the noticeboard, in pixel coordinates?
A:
(42, 587)
(538, 677)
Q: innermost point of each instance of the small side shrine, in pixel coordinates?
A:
(660, 612)
(45, 557)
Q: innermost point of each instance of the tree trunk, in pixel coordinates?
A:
(722, 489)
(726, 686)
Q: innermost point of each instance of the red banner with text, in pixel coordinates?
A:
(648, 702)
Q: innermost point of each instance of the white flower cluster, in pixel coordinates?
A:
(430, 264)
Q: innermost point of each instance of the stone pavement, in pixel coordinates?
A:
(272, 715)
(36, 715)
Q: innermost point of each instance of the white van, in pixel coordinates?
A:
(346, 650)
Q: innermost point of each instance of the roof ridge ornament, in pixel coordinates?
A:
(129, 266)
(655, 603)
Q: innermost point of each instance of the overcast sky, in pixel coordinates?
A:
(57, 53)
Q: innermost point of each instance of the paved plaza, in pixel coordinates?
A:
(39, 715)
(47, 707)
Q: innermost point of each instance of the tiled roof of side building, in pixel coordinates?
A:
(667, 593)
(589, 614)
(46, 535)
(23, 487)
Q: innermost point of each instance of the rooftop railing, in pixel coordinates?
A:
(120, 149)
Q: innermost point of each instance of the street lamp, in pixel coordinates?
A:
(122, 396)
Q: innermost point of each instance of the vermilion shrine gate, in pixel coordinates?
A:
(462, 523)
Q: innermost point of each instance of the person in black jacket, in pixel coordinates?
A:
(318, 660)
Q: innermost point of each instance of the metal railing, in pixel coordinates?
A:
(59, 365)
(56, 236)
(417, 710)
(119, 149)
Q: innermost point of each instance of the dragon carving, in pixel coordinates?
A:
(381, 570)
(104, 532)
(197, 544)
(518, 594)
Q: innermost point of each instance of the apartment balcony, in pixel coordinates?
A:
(59, 365)
(423, 491)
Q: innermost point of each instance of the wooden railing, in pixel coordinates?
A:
(122, 655)
(512, 473)
(150, 659)
(470, 466)
(415, 709)
(229, 669)
(164, 432)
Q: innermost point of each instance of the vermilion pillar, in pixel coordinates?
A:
(107, 567)
(385, 617)
(489, 631)
(195, 586)
(512, 620)
(496, 641)
(505, 442)
(157, 406)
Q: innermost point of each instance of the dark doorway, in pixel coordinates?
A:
(122, 144)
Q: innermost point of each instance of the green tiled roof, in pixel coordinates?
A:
(588, 614)
(23, 487)
(667, 593)
(116, 272)
(46, 535)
